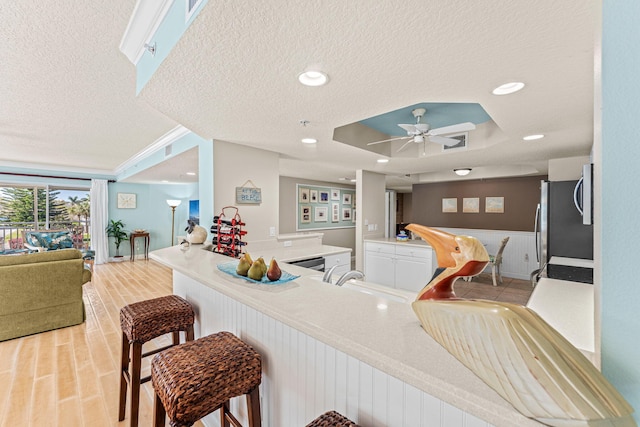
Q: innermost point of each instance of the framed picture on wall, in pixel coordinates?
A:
(335, 194)
(313, 194)
(346, 198)
(450, 205)
(494, 205)
(320, 214)
(304, 195)
(305, 214)
(471, 205)
(335, 212)
(346, 214)
(324, 197)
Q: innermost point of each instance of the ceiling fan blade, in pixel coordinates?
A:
(405, 144)
(460, 127)
(387, 140)
(449, 142)
(409, 128)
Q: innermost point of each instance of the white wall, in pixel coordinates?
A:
(567, 169)
(370, 189)
(233, 165)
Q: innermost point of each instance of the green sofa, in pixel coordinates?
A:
(41, 291)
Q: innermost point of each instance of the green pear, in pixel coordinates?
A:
(263, 265)
(274, 272)
(243, 265)
(255, 271)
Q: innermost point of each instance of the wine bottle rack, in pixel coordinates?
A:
(228, 232)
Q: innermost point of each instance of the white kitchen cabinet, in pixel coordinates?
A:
(400, 266)
(342, 260)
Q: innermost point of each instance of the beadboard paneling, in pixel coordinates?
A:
(521, 246)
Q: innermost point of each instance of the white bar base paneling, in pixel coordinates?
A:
(303, 377)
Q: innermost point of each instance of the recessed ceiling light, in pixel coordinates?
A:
(353, 180)
(508, 88)
(165, 180)
(462, 171)
(533, 137)
(309, 140)
(313, 78)
(383, 160)
(191, 173)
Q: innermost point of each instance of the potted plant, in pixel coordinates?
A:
(115, 229)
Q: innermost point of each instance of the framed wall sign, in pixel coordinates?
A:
(126, 201)
(248, 195)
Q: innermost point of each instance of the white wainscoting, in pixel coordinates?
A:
(303, 377)
(522, 244)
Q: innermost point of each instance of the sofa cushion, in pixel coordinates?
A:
(40, 257)
(50, 240)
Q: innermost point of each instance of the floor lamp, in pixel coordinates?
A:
(173, 204)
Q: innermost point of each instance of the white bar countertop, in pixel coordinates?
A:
(568, 307)
(390, 339)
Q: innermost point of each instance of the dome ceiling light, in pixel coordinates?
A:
(462, 171)
(508, 88)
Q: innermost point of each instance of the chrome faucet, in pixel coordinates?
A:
(327, 274)
(353, 274)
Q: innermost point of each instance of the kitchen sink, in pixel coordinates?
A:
(384, 292)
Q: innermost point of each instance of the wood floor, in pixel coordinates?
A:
(70, 377)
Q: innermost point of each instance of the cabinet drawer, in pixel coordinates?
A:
(379, 248)
(337, 259)
(413, 251)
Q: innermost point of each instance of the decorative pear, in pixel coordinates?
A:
(274, 272)
(262, 264)
(256, 271)
(244, 265)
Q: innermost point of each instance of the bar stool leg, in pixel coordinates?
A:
(159, 413)
(224, 419)
(136, 365)
(253, 408)
(124, 369)
(189, 334)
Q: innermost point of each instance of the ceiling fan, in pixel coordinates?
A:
(418, 132)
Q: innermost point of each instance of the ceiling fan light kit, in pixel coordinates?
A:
(462, 171)
(418, 131)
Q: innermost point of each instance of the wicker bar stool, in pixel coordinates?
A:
(197, 378)
(332, 419)
(141, 322)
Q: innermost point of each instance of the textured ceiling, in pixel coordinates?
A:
(67, 93)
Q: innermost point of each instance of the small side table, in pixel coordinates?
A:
(132, 238)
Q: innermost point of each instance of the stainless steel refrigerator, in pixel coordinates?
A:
(561, 233)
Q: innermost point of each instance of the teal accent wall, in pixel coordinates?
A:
(170, 31)
(205, 183)
(151, 213)
(181, 145)
(621, 197)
